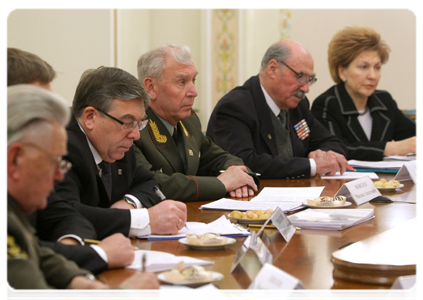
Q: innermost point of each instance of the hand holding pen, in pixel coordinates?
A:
(162, 198)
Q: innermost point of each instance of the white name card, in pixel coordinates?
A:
(405, 287)
(407, 172)
(361, 190)
(272, 278)
(282, 223)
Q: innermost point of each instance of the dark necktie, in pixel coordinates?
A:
(179, 143)
(106, 176)
(282, 118)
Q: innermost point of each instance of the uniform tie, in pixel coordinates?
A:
(179, 143)
(106, 176)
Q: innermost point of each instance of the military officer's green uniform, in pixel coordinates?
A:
(30, 266)
(194, 180)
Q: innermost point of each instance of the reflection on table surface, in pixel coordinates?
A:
(307, 256)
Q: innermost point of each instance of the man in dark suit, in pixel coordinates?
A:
(36, 142)
(267, 121)
(106, 184)
(66, 227)
(186, 163)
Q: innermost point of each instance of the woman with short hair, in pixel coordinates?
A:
(368, 120)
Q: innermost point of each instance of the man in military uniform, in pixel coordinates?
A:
(186, 163)
(36, 142)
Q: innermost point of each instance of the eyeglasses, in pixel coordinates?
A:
(63, 165)
(303, 79)
(128, 125)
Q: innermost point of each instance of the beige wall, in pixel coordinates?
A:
(75, 40)
(72, 41)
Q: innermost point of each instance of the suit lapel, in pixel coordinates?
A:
(100, 197)
(263, 115)
(163, 142)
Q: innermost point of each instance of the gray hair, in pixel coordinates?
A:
(278, 51)
(100, 87)
(153, 63)
(30, 108)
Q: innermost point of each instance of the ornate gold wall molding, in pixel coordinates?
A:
(224, 58)
(284, 24)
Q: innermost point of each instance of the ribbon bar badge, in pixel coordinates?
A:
(302, 129)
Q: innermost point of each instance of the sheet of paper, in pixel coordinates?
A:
(351, 175)
(229, 204)
(220, 226)
(330, 219)
(400, 157)
(288, 194)
(157, 261)
(396, 165)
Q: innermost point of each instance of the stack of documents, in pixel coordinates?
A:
(330, 219)
(351, 175)
(288, 199)
(221, 226)
(376, 166)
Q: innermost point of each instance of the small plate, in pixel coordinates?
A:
(315, 206)
(215, 277)
(247, 221)
(389, 190)
(229, 241)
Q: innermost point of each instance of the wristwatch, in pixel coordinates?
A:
(130, 201)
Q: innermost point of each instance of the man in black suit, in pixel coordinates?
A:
(267, 121)
(106, 184)
(66, 227)
(36, 142)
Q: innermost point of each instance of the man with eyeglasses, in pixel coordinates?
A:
(36, 141)
(267, 121)
(106, 184)
(66, 228)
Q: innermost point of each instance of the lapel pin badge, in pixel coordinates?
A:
(119, 171)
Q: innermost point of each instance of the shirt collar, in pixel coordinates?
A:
(168, 126)
(97, 157)
(273, 107)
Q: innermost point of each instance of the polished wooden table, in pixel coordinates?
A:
(307, 256)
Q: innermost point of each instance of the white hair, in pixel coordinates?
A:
(153, 63)
(30, 109)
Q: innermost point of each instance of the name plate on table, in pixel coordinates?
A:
(361, 190)
(405, 287)
(282, 223)
(252, 255)
(407, 172)
(272, 278)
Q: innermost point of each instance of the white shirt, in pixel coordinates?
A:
(276, 110)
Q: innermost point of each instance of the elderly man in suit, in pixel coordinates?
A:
(66, 232)
(106, 184)
(36, 144)
(187, 164)
(267, 121)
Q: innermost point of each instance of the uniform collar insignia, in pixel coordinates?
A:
(159, 137)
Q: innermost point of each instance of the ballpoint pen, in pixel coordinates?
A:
(162, 198)
(249, 173)
(95, 242)
(159, 193)
(143, 258)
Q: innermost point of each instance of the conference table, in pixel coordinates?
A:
(308, 256)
